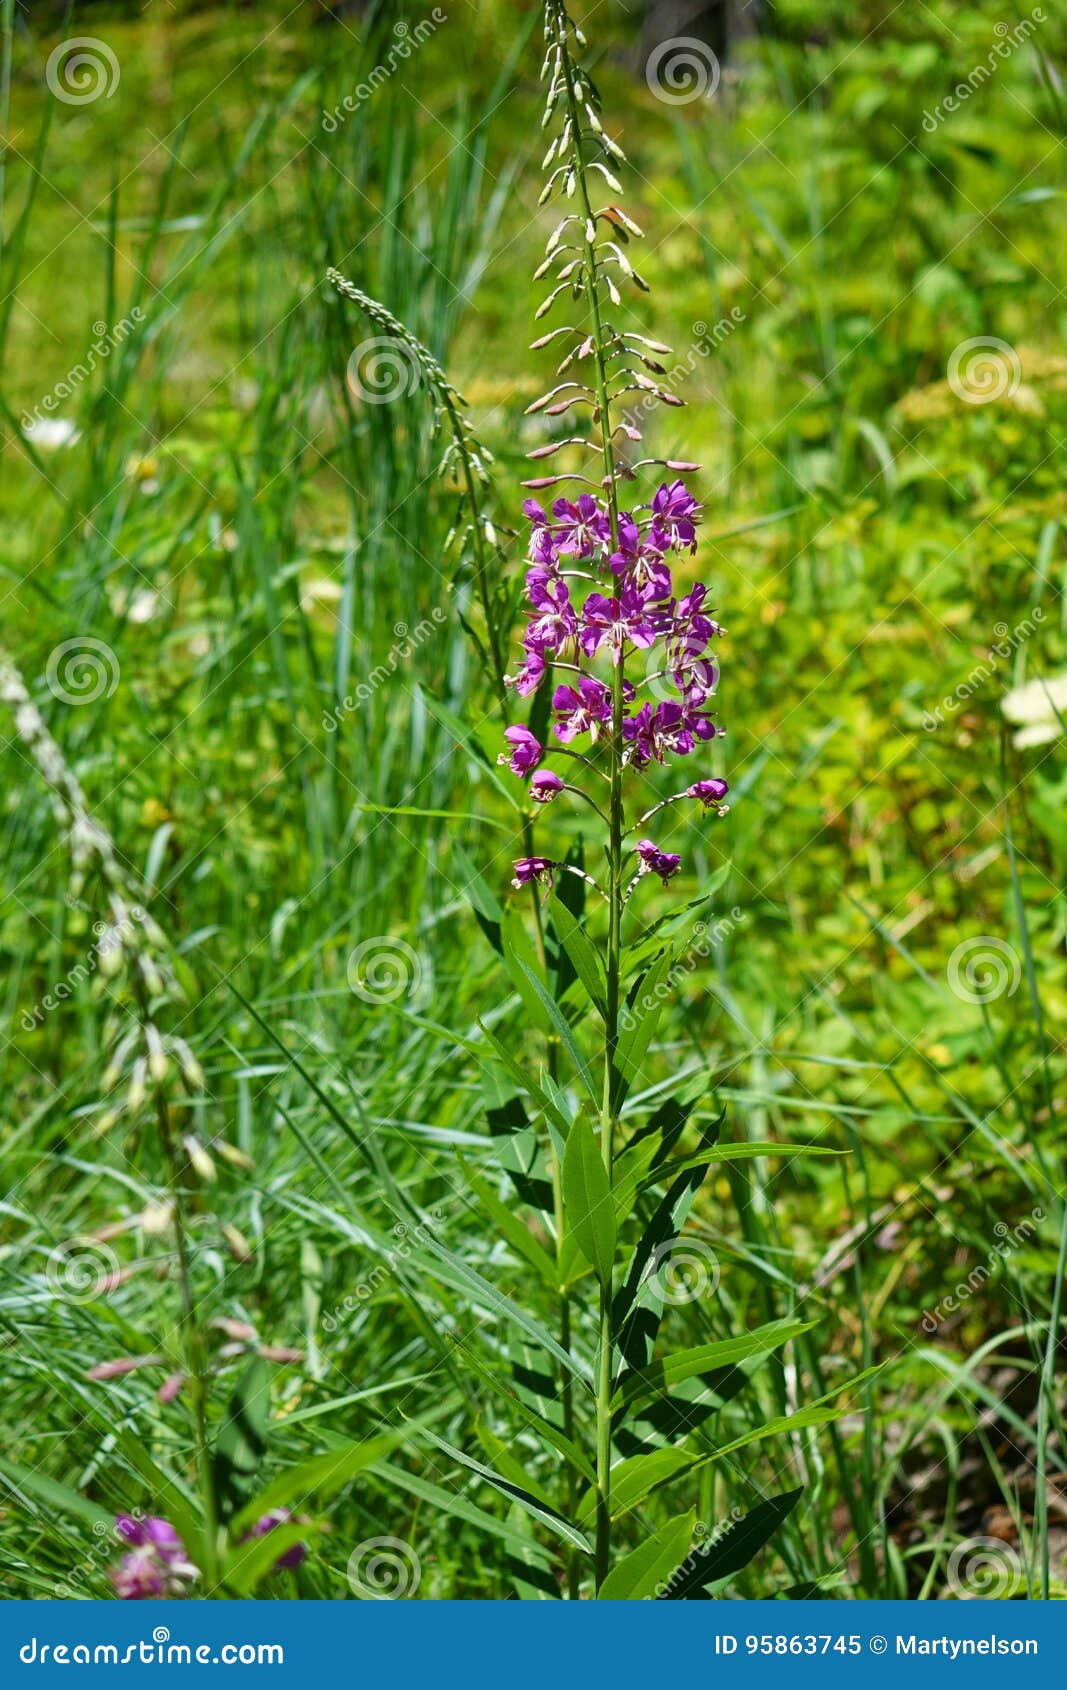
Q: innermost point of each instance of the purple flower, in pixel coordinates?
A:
(583, 711)
(656, 731)
(528, 869)
(157, 1564)
(612, 622)
(654, 861)
(710, 792)
(526, 751)
(581, 528)
(555, 622)
(291, 1557)
(676, 510)
(544, 786)
(542, 546)
(530, 675)
(639, 560)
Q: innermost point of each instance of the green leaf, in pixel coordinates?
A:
(737, 1153)
(53, 1494)
(249, 1562)
(638, 1574)
(242, 1440)
(542, 1511)
(522, 1079)
(638, 1306)
(734, 1550)
(321, 1475)
(560, 1023)
(483, 900)
(641, 1017)
(634, 1478)
(582, 955)
(589, 1212)
(660, 1377)
(520, 960)
(511, 1226)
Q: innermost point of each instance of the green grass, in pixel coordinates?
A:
(245, 538)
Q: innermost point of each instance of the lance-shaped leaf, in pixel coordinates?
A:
(732, 1551)
(638, 1574)
(661, 1376)
(581, 952)
(588, 1210)
(638, 1305)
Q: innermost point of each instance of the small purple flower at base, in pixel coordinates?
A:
(710, 792)
(157, 1565)
(289, 1558)
(654, 861)
(530, 869)
(526, 751)
(544, 786)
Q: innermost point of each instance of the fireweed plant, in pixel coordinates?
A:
(618, 677)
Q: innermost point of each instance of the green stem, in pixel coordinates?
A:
(615, 832)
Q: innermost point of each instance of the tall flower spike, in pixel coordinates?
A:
(600, 590)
